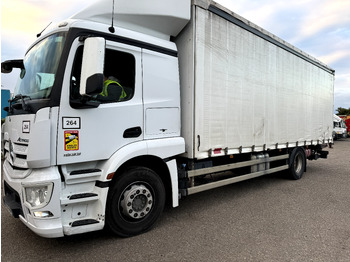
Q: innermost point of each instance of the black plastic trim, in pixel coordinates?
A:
(84, 171)
(101, 184)
(132, 132)
(127, 41)
(82, 195)
(13, 201)
(84, 222)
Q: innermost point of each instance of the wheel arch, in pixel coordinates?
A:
(151, 162)
(157, 155)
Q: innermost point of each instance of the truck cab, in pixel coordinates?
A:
(63, 147)
(339, 128)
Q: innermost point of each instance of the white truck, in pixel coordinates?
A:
(339, 128)
(212, 99)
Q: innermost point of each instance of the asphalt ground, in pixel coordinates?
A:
(270, 218)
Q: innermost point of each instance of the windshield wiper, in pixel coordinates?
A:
(25, 107)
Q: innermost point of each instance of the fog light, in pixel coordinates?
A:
(39, 195)
(43, 214)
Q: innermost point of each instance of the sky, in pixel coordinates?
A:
(321, 28)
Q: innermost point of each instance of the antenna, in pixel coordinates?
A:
(44, 29)
(111, 28)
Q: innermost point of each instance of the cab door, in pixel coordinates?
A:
(94, 133)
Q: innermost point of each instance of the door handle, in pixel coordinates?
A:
(132, 132)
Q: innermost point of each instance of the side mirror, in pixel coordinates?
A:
(91, 82)
(7, 66)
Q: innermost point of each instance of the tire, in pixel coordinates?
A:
(297, 163)
(135, 201)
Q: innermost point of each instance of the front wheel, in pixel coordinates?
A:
(135, 201)
(297, 163)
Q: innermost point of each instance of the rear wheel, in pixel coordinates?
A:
(297, 163)
(135, 201)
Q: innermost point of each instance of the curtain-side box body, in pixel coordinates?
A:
(245, 90)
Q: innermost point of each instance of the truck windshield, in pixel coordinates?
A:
(40, 67)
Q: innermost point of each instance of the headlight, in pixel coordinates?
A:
(39, 195)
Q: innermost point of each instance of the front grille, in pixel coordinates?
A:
(16, 159)
(16, 154)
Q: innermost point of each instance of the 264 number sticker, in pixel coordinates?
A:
(71, 123)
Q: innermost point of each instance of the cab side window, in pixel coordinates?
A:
(120, 67)
(119, 73)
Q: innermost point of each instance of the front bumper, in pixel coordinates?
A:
(49, 227)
